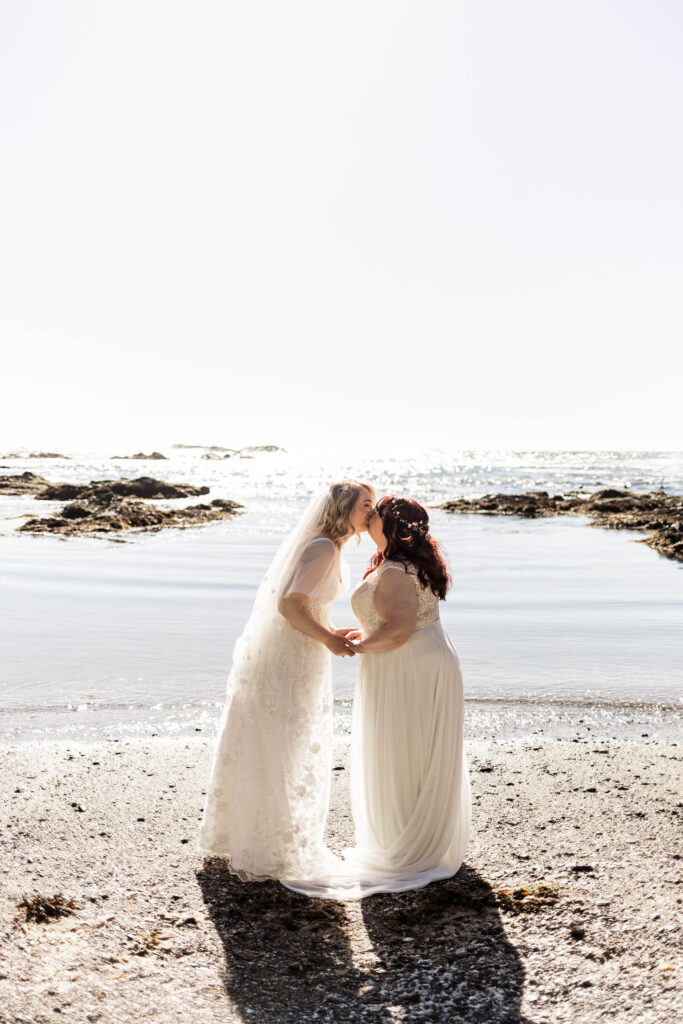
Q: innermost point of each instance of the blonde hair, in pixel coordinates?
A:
(341, 501)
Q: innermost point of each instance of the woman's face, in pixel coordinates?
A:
(376, 531)
(361, 511)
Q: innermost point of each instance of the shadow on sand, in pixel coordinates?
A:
(434, 954)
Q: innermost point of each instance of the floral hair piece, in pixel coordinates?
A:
(420, 528)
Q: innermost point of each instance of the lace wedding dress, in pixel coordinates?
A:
(410, 786)
(269, 790)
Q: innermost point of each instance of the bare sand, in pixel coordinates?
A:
(158, 934)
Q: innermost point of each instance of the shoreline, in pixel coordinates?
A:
(508, 718)
(112, 826)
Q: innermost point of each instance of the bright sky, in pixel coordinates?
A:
(457, 224)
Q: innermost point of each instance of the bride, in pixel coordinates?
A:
(268, 796)
(410, 787)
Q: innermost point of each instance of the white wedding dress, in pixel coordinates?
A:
(410, 785)
(269, 790)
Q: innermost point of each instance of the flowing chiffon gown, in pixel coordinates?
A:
(269, 790)
(410, 785)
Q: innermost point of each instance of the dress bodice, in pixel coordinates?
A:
(363, 599)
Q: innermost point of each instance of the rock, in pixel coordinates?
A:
(113, 506)
(216, 452)
(118, 515)
(244, 453)
(534, 503)
(61, 492)
(75, 512)
(24, 483)
(103, 492)
(250, 449)
(34, 455)
(658, 513)
(141, 455)
(610, 493)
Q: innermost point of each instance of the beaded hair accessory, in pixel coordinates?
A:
(420, 528)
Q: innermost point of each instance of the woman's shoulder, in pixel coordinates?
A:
(320, 544)
(397, 564)
(318, 550)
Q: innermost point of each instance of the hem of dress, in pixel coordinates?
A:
(226, 862)
(359, 888)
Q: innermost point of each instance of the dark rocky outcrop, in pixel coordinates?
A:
(23, 483)
(121, 514)
(114, 506)
(102, 492)
(658, 513)
(141, 455)
(34, 455)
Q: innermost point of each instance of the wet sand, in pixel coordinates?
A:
(158, 934)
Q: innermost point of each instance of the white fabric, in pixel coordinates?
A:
(410, 782)
(364, 599)
(318, 560)
(268, 794)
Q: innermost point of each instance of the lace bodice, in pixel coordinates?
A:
(363, 599)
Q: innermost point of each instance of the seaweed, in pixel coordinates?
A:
(527, 900)
(44, 909)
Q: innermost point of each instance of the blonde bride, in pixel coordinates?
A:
(269, 788)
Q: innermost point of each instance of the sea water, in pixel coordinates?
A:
(560, 626)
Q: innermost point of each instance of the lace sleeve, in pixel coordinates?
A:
(403, 566)
(311, 574)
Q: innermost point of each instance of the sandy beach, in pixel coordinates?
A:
(589, 827)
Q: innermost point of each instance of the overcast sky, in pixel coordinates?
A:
(457, 224)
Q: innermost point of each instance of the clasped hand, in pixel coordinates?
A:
(342, 642)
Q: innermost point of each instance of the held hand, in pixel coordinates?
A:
(351, 634)
(340, 646)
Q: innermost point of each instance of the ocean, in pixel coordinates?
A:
(562, 629)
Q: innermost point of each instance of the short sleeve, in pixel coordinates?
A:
(405, 567)
(315, 565)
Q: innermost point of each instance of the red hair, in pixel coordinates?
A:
(405, 524)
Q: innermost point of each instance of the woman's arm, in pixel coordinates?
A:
(295, 609)
(396, 604)
(316, 562)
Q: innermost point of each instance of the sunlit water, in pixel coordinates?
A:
(559, 626)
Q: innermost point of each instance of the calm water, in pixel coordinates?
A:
(556, 623)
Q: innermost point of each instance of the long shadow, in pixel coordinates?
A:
(444, 954)
(287, 957)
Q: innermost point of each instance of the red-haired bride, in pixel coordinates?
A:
(410, 786)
